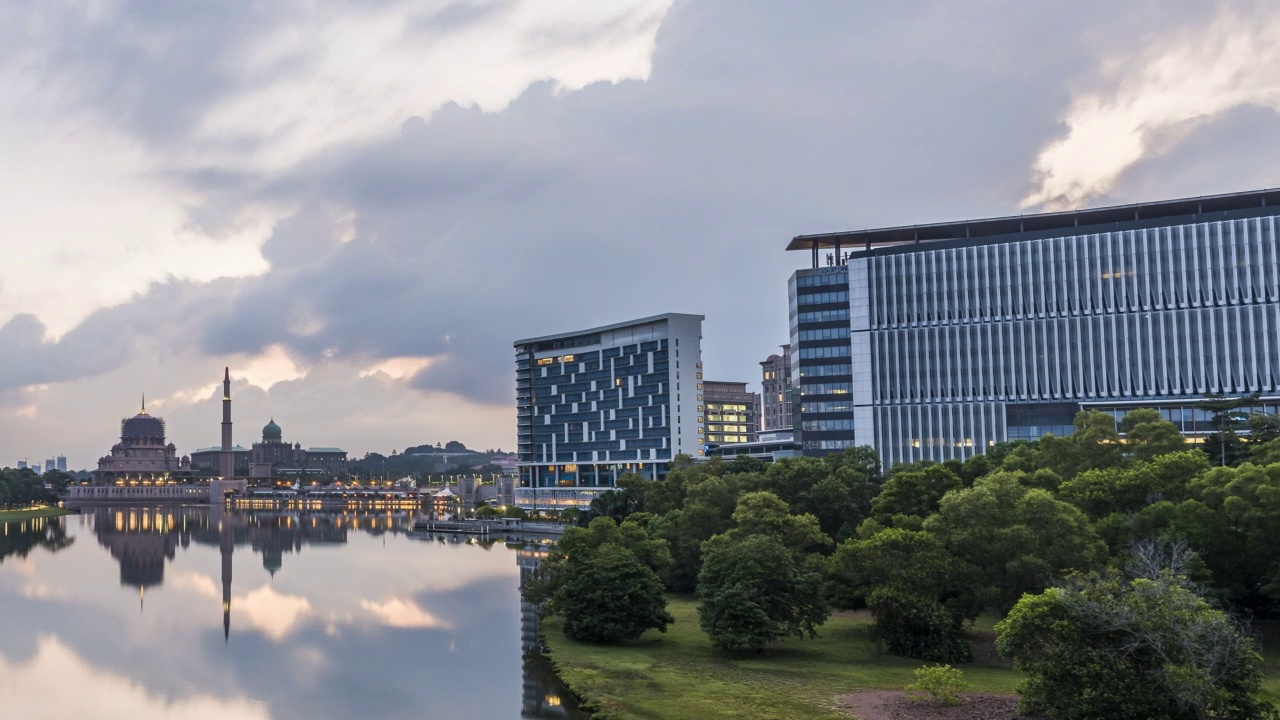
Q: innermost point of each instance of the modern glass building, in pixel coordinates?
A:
(593, 405)
(936, 341)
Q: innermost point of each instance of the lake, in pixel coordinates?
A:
(192, 612)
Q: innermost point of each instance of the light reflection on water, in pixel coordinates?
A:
(192, 612)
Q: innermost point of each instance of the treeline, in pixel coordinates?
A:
(1086, 532)
(21, 488)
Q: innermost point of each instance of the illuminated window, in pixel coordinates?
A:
(699, 374)
(568, 358)
(617, 382)
(699, 364)
(546, 361)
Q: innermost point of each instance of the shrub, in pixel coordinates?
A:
(941, 684)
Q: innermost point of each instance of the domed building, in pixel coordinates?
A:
(274, 457)
(142, 454)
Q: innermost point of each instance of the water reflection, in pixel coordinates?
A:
(345, 614)
(20, 538)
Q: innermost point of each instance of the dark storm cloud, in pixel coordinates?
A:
(568, 210)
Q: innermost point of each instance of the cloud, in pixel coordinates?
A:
(459, 175)
(271, 613)
(1158, 95)
(37, 689)
(401, 613)
(195, 582)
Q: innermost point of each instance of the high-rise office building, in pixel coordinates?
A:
(61, 461)
(49, 464)
(775, 381)
(595, 404)
(731, 412)
(936, 341)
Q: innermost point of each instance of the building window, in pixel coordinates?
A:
(546, 361)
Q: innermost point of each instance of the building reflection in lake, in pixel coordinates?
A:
(544, 696)
(144, 539)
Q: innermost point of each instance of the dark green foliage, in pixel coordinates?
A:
(753, 593)
(610, 596)
(1104, 647)
(915, 589)
(23, 488)
(1017, 539)
(911, 494)
(604, 580)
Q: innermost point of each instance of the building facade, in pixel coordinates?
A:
(775, 381)
(273, 457)
(936, 341)
(731, 412)
(593, 405)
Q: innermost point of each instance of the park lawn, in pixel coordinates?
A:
(35, 512)
(678, 675)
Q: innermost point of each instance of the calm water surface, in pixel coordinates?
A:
(187, 612)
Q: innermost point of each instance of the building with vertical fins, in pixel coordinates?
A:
(932, 342)
(595, 404)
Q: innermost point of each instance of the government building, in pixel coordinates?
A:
(273, 457)
(595, 404)
(932, 342)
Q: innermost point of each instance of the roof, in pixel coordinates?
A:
(237, 448)
(325, 450)
(614, 326)
(1114, 217)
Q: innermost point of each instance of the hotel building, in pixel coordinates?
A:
(931, 342)
(593, 405)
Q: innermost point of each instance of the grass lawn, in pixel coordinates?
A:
(678, 675)
(29, 513)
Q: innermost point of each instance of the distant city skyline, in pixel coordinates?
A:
(363, 205)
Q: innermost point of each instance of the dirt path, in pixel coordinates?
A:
(893, 705)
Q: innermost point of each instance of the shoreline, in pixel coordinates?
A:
(43, 511)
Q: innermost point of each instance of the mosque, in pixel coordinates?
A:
(142, 454)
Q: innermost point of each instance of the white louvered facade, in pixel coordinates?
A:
(950, 342)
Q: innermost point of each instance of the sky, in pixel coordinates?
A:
(359, 205)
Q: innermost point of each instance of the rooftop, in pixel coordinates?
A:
(1117, 217)
(615, 326)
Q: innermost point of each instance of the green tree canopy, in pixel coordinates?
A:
(917, 591)
(1102, 646)
(753, 593)
(1017, 539)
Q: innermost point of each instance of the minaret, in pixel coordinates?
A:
(226, 546)
(227, 458)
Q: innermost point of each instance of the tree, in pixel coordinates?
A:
(916, 590)
(753, 594)
(1224, 446)
(1148, 435)
(911, 494)
(1018, 539)
(58, 481)
(604, 580)
(1103, 646)
(610, 596)
(763, 513)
